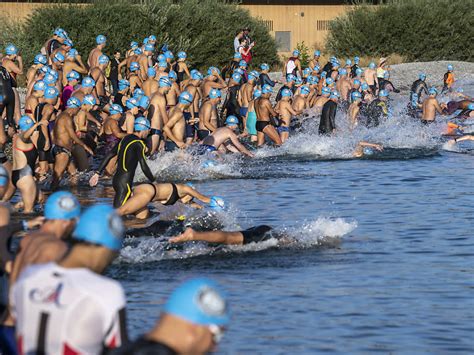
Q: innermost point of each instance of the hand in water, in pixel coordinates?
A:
(94, 180)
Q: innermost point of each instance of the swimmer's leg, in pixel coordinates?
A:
(271, 132)
(219, 237)
(60, 165)
(27, 187)
(142, 196)
(260, 138)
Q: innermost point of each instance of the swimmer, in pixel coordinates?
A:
(289, 84)
(72, 62)
(97, 73)
(354, 109)
(133, 77)
(419, 87)
(264, 78)
(448, 79)
(158, 113)
(93, 59)
(167, 194)
(386, 84)
(181, 68)
(251, 119)
(265, 112)
(78, 294)
(344, 85)
(130, 152)
(315, 60)
(175, 91)
(224, 139)
(293, 65)
(377, 110)
(13, 64)
(287, 111)
(366, 148)
(327, 124)
(191, 114)
(245, 95)
(231, 104)
(145, 62)
(370, 76)
(208, 114)
(431, 106)
(150, 85)
(196, 311)
(212, 81)
(176, 126)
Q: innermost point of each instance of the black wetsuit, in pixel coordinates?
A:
(143, 346)
(179, 74)
(231, 103)
(7, 96)
(118, 101)
(353, 70)
(265, 79)
(113, 76)
(129, 151)
(385, 84)
(327, 68)
(52, 46)
(418, 87)
(43, 155)
(328, 118)
(375, 112)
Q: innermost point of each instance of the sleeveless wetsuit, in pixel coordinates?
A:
(129, 151)
(7, 96)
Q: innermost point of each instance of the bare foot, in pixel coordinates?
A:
(187, 236)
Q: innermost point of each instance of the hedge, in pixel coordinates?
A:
(205, 29)
(419, 30)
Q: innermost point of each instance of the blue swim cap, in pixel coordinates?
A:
(298, 80)
(231, 121)
(326, 91)
(49, 79)
(316, 68)
(286, 93)
(51, 93)
(237, 56)
(39, 86)
(317, 53)
(211, 71)
(131, 103)
(162, 64)
(100, 225)
(215, 93)
(145, 40)
(333, 59)
(25, 123)
(365, 86)
(306, 71)
(329, 81)
(152, 38)
(356, 96)
(137, 51)
(305, 90)
(133, 45)
(217, 203)
(89, 100)
(88, 82)
(53, 73)
(44, 69)
(239, 70)
(296, 53)
(257, 93)
(134, 66)
(470, 106)
(144, 102)
(58, 57)
(450, 67)
(11, 49)
(334, 95)
(356, 60)
(372, 65)
(123, 84)
(422, 76)
(236, 77)
(169, 55)
(141, 124)
(243, 63)
(4, 176)
(137, 93)
(356, 82)
(62, 205)
(72, 53)
(253, 75)
(348, 62)
(151, 72)
(433, 91)
(359, 71)
(323, 75)
(199, 301)
(115, 109)
(383, 93)
(196, 76)
(68, 42)
(368, 151)
(267, 89)
(149, 47)
(100, 39)
(103, 59)
(335, 64)
(73, 75)
(40, 59)
(161, 58)
(172, 75)
(342, 71)
(290, 78)
(73, 102)
(264, 66)
(182, 55)
(185, 98)
(165, 82)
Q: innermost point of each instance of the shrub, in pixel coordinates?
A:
(416, 29)
(305, 57)
(205, 29)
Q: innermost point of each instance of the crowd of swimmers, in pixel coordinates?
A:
(108, 116)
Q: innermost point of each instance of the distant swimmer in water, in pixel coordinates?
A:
(467, 137)
(167, 194)
(366, 148)
(252, 235)
(431, 106)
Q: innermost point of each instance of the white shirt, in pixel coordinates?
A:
(67, 311)
(236, 44)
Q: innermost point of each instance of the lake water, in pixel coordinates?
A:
(384, 255)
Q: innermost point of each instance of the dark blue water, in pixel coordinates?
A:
(400, 280)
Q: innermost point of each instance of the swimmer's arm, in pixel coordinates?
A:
(29, 132)
(120, 66)
(163, 112)
(168, 131)
(298, 65)
(270, 109)
(188, 190)
(294, 112)
(186, 70)
(464, 138)
(235, 141)
(145, 168)
(117, 132)
(70, 131)
(220, 237)
(206, 118)
(91, 118)
(267, 80)
(438, 107)
(15, 68)
(371, 145)
(107, 158)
